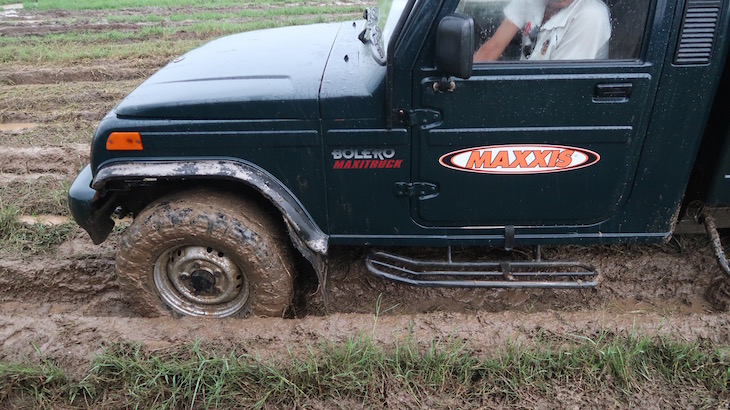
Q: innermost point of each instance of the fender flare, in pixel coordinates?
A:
(306, 236)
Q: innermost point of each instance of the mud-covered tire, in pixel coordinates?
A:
(240, 256)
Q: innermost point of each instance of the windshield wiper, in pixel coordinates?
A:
(371, 33)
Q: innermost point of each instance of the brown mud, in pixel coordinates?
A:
(58, 160)
(670, 277)
(635, 279)
(65, 304)
(15, 127)
(75, 338)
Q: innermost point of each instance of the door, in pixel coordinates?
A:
(537, 143)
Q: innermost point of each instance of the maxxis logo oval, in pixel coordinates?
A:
(519, 159)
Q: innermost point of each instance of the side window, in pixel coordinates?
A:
(534, 30)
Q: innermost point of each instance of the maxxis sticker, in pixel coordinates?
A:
(519, 159)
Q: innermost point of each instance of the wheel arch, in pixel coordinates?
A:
(304, 233)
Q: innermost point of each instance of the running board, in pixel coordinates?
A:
(508, 274)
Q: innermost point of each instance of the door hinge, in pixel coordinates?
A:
(422, 190)
(416, 117)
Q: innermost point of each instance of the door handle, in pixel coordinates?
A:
(613, 92)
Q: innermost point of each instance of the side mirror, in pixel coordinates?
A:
(455, 46)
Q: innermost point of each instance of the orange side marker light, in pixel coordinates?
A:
(124, 141)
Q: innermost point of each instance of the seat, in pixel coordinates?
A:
(628, 21)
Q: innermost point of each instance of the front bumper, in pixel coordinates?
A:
(90, 210)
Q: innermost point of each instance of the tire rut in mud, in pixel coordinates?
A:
(659, 279)
(75, 277)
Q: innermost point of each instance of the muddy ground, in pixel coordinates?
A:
(65, 304)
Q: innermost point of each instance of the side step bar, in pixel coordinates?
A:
(506, 274)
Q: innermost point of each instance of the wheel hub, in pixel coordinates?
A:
(200, 281)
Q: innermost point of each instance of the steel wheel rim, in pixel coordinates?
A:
(200, 281)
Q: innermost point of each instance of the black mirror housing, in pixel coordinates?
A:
(455, 46)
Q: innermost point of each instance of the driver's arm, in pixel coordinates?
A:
(494, 47)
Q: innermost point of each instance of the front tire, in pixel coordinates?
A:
(203, 253)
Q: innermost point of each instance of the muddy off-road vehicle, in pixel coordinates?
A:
(255, 148)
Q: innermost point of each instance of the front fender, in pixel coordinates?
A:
(302, 227)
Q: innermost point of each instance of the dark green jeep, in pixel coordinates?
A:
(385, 132)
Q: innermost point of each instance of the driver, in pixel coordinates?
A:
(552, 30)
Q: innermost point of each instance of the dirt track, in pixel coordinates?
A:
(65, 303)
(68, 305)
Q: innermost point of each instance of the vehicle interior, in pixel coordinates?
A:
(628, 22)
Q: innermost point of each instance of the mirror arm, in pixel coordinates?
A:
(444, 85)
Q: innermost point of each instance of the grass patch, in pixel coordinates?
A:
(46, 103)
(17, 238)
(42, 196)
(38, 385)
(361, 372)
(82, 53)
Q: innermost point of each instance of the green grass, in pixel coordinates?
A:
(361, 372)
(42, 196)
(34, 385)
(17, 238)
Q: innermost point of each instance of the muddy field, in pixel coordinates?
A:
(64, 302)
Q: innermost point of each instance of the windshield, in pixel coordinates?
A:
(380, 25)
(390, 13)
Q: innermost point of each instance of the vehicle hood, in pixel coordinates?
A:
(262, 74)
